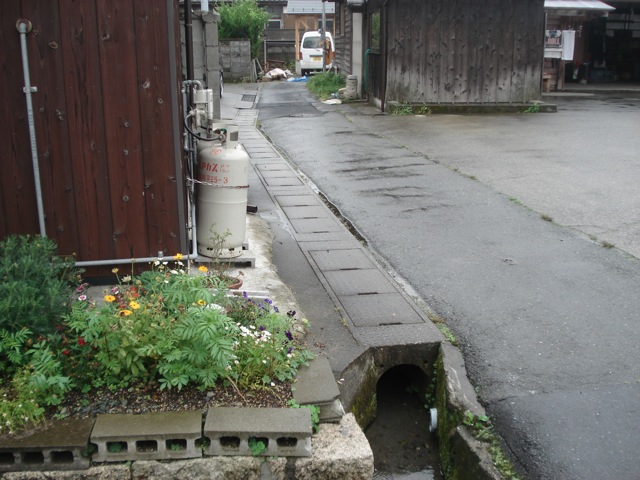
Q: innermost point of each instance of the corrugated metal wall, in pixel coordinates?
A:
(107, 122)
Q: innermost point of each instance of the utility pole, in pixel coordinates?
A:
(324, 39)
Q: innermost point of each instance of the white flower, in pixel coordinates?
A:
(264, 361)
(273, 384)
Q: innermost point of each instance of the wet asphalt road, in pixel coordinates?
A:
(548, 318)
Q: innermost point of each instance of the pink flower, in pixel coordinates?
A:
(82, 298)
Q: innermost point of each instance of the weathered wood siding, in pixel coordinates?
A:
(463, 51)
(344, 34)
(107, 123)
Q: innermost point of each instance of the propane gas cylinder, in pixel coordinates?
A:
(223, 182)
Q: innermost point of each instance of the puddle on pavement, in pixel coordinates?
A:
(403, 448)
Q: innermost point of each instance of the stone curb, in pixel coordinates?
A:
(472, 460)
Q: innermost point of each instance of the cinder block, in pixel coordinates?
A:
(284, 432)
(59, 446)
(315, 385)
(151, 436)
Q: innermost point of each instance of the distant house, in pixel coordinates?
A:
(591, 41)
(439, 51)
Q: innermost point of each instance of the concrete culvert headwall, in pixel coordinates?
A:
(360, 378)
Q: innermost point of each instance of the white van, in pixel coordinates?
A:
(311, 52)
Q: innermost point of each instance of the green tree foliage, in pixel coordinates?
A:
(243, 19)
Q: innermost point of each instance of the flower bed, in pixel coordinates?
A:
(164, 327)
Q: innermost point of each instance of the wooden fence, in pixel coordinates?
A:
(107, 117)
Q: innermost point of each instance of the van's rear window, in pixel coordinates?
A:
(311, 42)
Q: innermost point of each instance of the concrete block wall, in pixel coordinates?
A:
(72, 444)
(206, 52)
(235, 56)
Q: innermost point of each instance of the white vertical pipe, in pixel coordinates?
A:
(24, 27)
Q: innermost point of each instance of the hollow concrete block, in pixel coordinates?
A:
(151, 436)
(59, 446)
(284, 432)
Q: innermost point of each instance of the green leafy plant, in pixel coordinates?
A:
(533, 108)
(167, 324)
(423, 110)
(116, 447)
(89, 450)
(402, 109)
(482, 429)
(243, 19)
(323, 85)
(35, 283)
(313, 409)
(266, 350)
(218, 271)
(447, 333)
(257, 446)
(35, 293)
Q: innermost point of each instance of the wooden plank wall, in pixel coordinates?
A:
(344, 34)
(464, 51)
(104, 116)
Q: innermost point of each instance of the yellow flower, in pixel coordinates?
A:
(115, 270)
(109, 298)
(134, 305)
(203, 269)
(124, 313)
(178, 256)
(201, 302)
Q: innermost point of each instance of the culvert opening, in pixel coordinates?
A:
(403, 447)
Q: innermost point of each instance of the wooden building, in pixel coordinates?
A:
(447, 51)
(595, 42)
(107, 127)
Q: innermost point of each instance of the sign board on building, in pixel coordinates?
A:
(553, 43)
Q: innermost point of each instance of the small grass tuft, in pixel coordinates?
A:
(322, 85)
(402, 109)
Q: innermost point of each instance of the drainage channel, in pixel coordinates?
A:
(402, 445)
(391, 402)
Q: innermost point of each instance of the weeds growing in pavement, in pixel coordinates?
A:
(322, 85)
